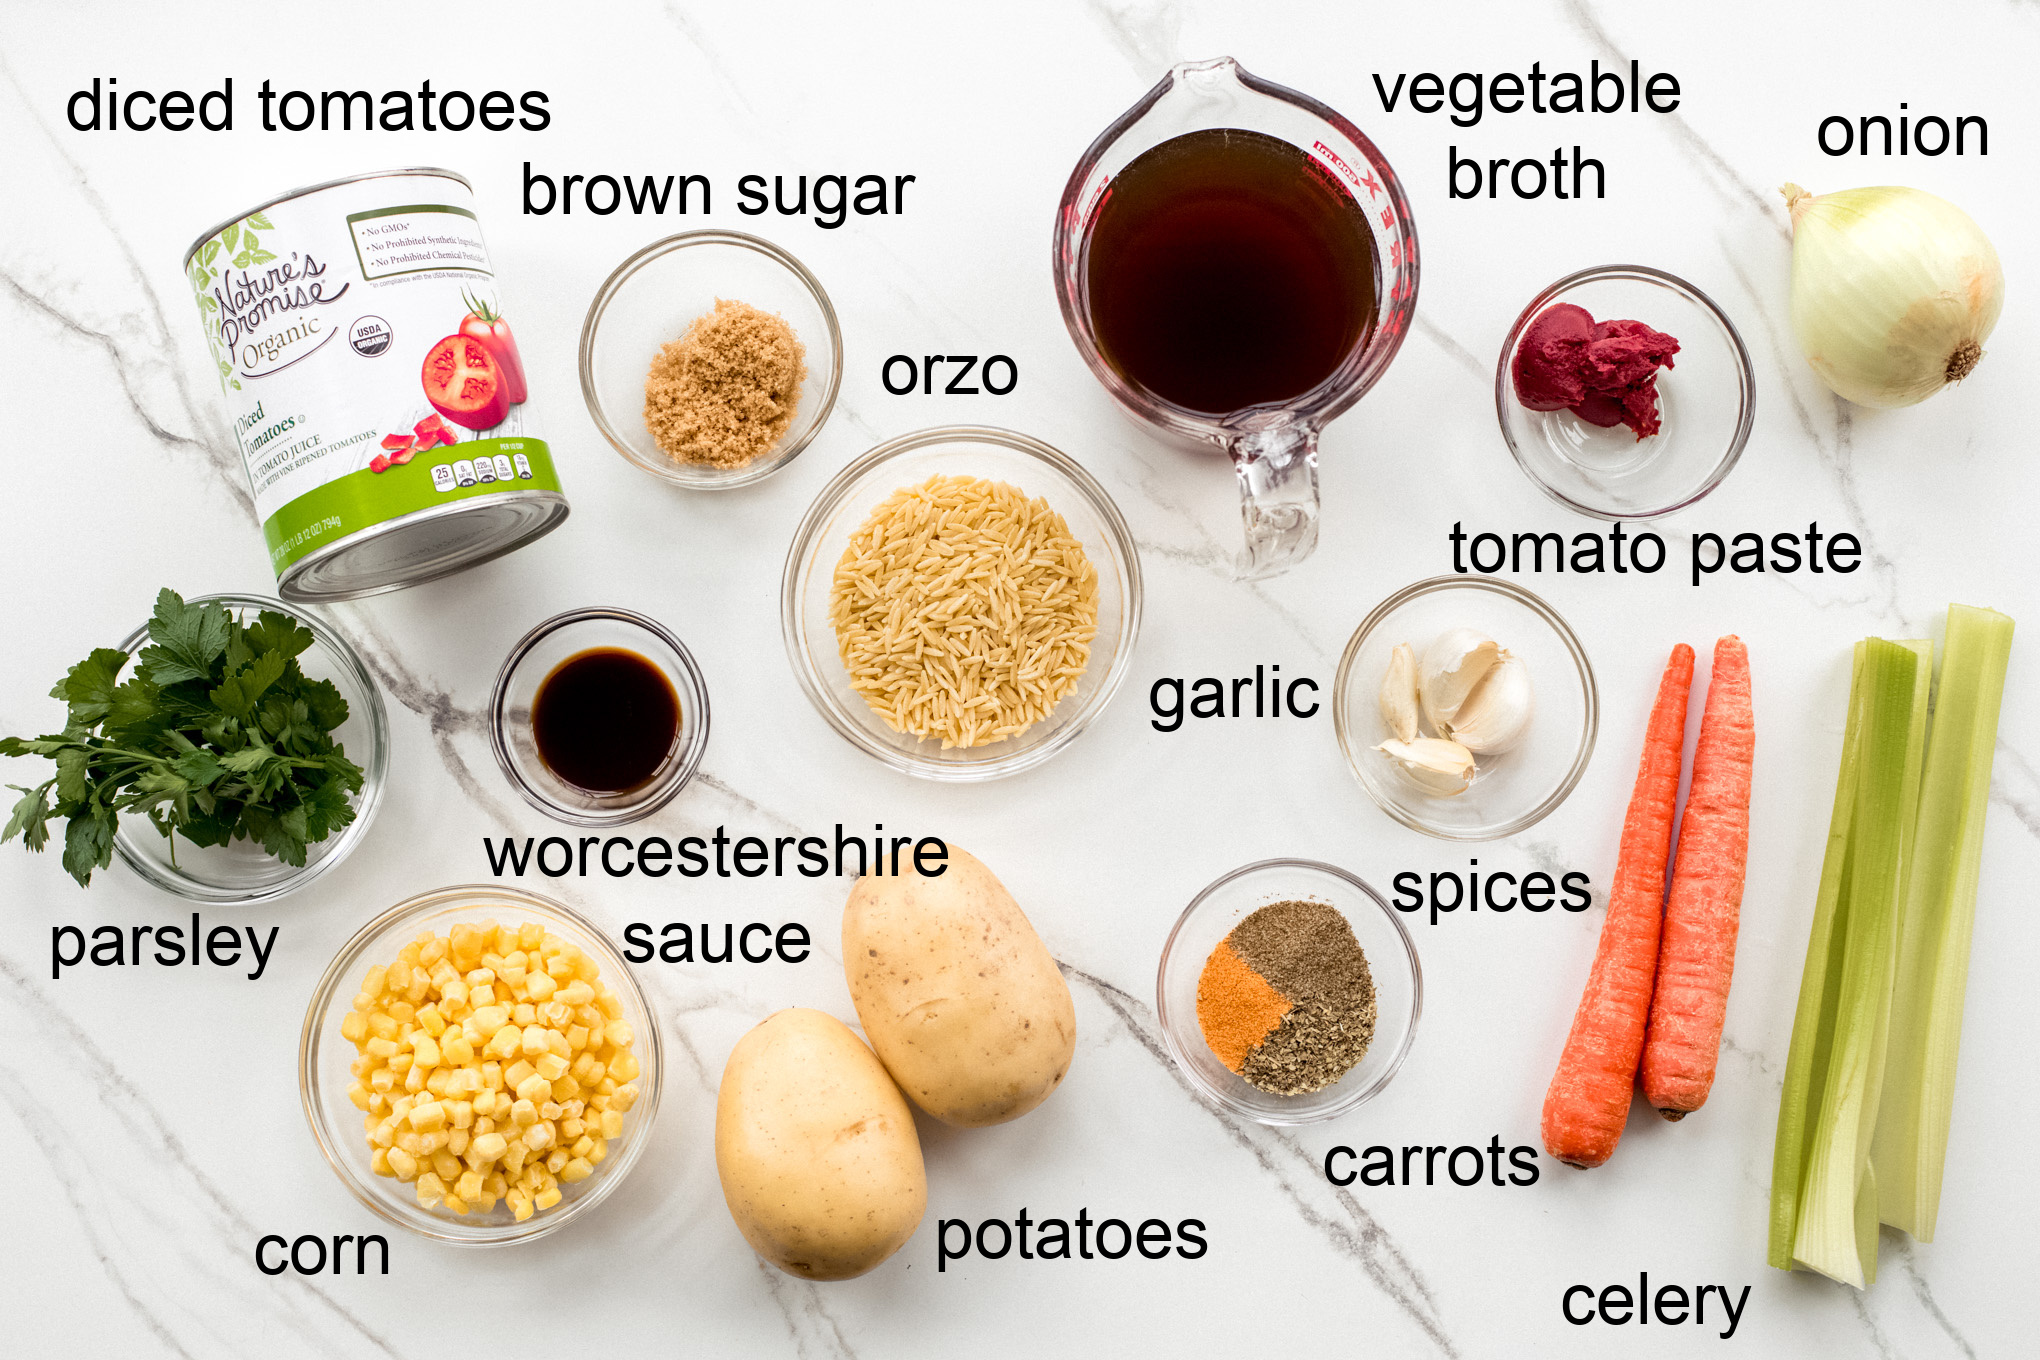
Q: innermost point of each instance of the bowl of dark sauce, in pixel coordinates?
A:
(600, 717)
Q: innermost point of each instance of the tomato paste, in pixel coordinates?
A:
(374, 384)
(1604, 372)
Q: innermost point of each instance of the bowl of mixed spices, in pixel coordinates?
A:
(1289, 992)
(711, 359)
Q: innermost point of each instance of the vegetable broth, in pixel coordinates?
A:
(1227, 269)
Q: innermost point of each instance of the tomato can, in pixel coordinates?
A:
(374, 384)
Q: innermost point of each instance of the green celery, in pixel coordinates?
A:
(1938, 914)
(1824, 1196)
(1819, 983)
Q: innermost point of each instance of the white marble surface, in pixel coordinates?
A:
(150, 1123)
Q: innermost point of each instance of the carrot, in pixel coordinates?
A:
(1697, 957)
(1588, 1102)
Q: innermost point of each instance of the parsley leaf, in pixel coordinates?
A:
(88, 687)
(217, 736)
(188, 638)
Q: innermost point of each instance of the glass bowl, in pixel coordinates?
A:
(1391, 960)
(243, 871)
(1706, 402)
(974, 451)
(651, 299)
(325, 1059)
(536, 656)
(1513, 790)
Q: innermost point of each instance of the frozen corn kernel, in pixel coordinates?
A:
(487, 1067)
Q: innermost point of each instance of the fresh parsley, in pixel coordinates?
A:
(218, 736)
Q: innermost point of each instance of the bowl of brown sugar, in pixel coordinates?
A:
(1289, 992)
(711, 359)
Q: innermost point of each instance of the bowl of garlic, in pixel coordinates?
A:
(1466, 707)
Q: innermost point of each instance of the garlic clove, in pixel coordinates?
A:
(1495, 716)
(1399, 693)
(1435, 764)
(1453, 664)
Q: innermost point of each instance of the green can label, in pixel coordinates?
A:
(366, 359)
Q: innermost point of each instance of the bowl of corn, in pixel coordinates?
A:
(479, 1065)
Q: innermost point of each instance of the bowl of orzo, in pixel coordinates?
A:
(961, 602)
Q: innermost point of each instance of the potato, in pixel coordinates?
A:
(819, 1160)
(959, 996)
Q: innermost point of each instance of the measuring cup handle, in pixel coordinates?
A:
(1277, 468)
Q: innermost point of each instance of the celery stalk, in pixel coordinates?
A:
(1819, 984)
(1836, 1070)
(1939, 912)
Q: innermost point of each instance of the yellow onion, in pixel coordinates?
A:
(1894, 291)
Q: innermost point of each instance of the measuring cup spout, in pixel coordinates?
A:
(1277, 466)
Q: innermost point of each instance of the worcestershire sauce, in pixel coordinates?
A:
(1228, 268)
(605, 720)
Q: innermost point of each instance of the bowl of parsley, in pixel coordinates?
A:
(231, 749)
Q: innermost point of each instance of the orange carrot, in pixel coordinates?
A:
(1588, 1102)
(1697, 957)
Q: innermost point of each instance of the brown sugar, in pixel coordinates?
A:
(1236, 1007)
(727, 390)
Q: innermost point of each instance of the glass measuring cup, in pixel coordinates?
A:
(1273, 445)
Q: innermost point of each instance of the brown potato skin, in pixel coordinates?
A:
(817, 1151)
(961, 1000)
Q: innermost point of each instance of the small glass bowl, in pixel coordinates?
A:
(971, 451)
(325, 1059)
(652, 298)
(242, 871)
(1513, 790)
(1706, 402)
(536, 656)
(1391, 961)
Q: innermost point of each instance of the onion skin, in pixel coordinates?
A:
(1894, 291)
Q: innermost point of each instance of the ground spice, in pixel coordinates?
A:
(726, 391)
(1236, 1008)
(1305, 954)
